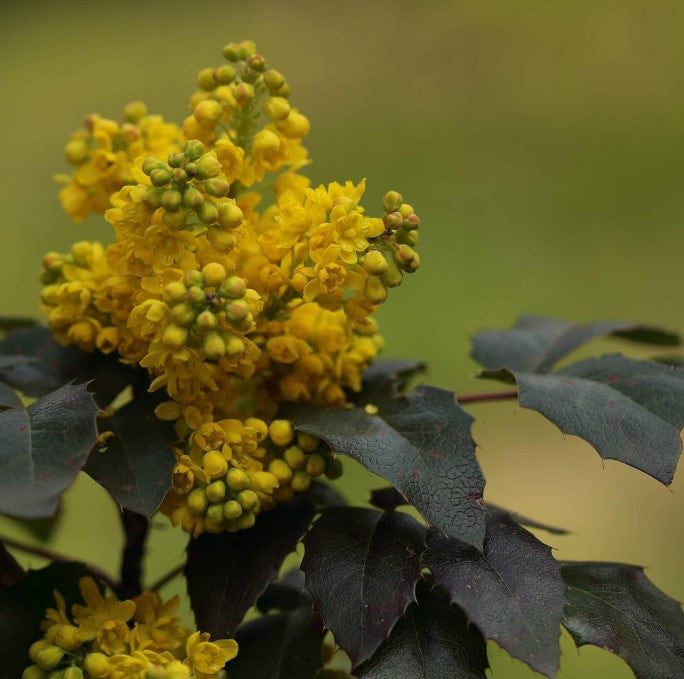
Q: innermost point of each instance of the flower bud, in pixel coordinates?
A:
(375, 263)
(256, 62)
(295, 126)
(97, 665)
(218, 188)
(76, 151)
(205, 79)
(215, 514)
(393, 221)
(264, 481)
(206, 321)
(414, 264)
(214, 274)
(404, 255)
(248, 500)
(207, 212)
(208, 112)
(224, 74)
(277, 108)
(237, 311)
(235, 347)
(179, 175)
(193, 149)
(243, 93)
(175, 336)
(411, 222)
(73, 673)
(171, 199)
(281, 432)
(222, 241)
(232, 509)
(409, 237)
(333, 468)
(208, 166)
(300, 481)
(246, 520)
(175, 219)
(34, 672)
(229, 215)
(281, 470)
(151, 163)
(36, 647)
(153, 197)
(67, 637)
(134, 111)
(393, 276)
(49, 657)
(182, 314)
(214, 346)
(375, 290)
(237, 479)
(160, 176)
(197, 501)
(274, 80)
(405, 210)
(176, 160)
(233, 287)
(315, 464)
(295, 457)
(174, 292)
(232, 52)
(392, 201)
(216, 491)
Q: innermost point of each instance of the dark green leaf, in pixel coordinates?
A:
(422, 444)
(22, 609)
(33, 362)
(226, 572)
(137, 462)
(361, 567)
(8, 397)
(283, 594)
(432, 641)
(10, 571)
(388, 498)
(498, 512)
(12, 322)
(389, 376)
(535, 344)
(513, 591)
(628, 410)
(43, 448)
(281, 646)
(616, 607)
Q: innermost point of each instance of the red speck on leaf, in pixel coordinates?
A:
(611, 404)
(416, 474)
(612, 379)
(434, 453)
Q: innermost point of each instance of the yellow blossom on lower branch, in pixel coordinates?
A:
(139, 638)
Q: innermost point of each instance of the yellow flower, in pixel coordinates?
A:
(206, 657)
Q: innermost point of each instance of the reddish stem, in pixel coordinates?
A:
(488, 396)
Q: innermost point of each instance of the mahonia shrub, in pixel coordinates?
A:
(215, 362)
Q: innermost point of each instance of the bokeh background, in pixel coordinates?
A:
(541, 142)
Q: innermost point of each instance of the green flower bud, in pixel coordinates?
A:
(333, 468)
(153, 197)
(315, 464)
(308, 442)
(229, 215)
(208, 212)
(193, 149)
(221, 241)
(216, 187)
(208, 112)
(214, 346)
(175, 219)
(179, 175)
(409, 237)
(245, 521)
(193, 277)
(235, 347)
(49, 657)
(216, 491)
(134, 111)
(404, 255)
(233, 287)
(191, 169)
(208, 166)
(76, 151)
(232, 52)
(375, 263)
(295, 457)
(214, 274)
(375, 290)
(248, 499)
(237, 311)
(393, 220)
(193, 198)
(174, 292)
(73, 673)
(36, 647)
(205, 79)
(160, 176)
(224, 74)
(247, 48)
(414, 264)
(176, 159)
(281, 470)
(277, 108)
(274, 80)
(256, 62)
(393, 276)
(196, 296)
(411, 222)
(300, 481)
(171, 199)
(206, 321)
(175, 336)
(197, 501)
(392, 201)
(97, 665)
(237, 479)
(151, 163)
(215, 513)
(232, 509)
(243, 93)
(283, 90)
(34, 672)
(405, 210)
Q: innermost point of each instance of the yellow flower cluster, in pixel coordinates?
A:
(232, 306)
(139, 638)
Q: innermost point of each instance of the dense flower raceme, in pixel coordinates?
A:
(139, 638)
(235, 283)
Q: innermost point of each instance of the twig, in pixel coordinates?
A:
(55, 556)
(167, 577)
(488, 396)
(135, 529)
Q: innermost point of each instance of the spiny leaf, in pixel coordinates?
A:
(513, 591)
(284, 645)
(535, 344)
(421, 443)
(42, 449)
(628, 410)
(137, 462)
(389, 376)
(8, 397)
(22, 608)
(361, 567)
(432, 640)
(616, 607)
(226, 572)
(33, 362)
(283, 594)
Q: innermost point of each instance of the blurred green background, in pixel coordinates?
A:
(541, 142)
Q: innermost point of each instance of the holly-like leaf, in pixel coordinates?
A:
(361, 567)
(616, 607)
(513, 591)
(432, 640)
(421, 443)
(389, 376)
(42, 449)
(226, 572)
(284, 645)
(8, 397)
(33, 362)
(22, 608)
(498, 512)
(136, 463)
(535, 344)
(283, 594)
(10, 571)
(628, 410)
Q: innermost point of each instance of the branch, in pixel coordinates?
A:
(488, 396)
(167, 577)
(55, 556)
(135, 529)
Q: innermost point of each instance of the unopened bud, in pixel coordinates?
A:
(208, 112)
(405, 210)
(393, 276)
(176, 159)
(224, 74)
(235, 347)
(175, 219)
(295, 126)
(193, 198)
(393, 220)
(97, 665)
(233, 287)
(237, 311)
(153, 197)
(76, 151)
(411, 222)
(274, 80)
(214, 464)
(243, 93)
(229, 215)
(217, 187)
(34, 672)
(179, 175)
(196, 296)
(175, 336)
(160, 176)
(208, 212)
(171, 199)
(214, 274)
(205, 79)
(214, 346)
(247, 520)
(216, 491)
(208, 166)
(73, 673)
(134, 111)
(281, 432)
(182, 314)
(375, 263)
(392, 201)
(197, 501)
(256, 62)
(174, 292)
(277, 108)
(300, 481)
(222, 241)
(295, 457)
(151, 163)
(333, 468)
(237, 479)
(281, 470)
(404, 255)
(49, 657)
(215, 514)
(232, 52)
(375, 290)
(206, 321)
(193, 149)
(232, 509)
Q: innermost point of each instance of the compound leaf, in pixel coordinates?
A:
(361, 568)
(513, 591)
(42, 449)
(421, 443)
(616, 607)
